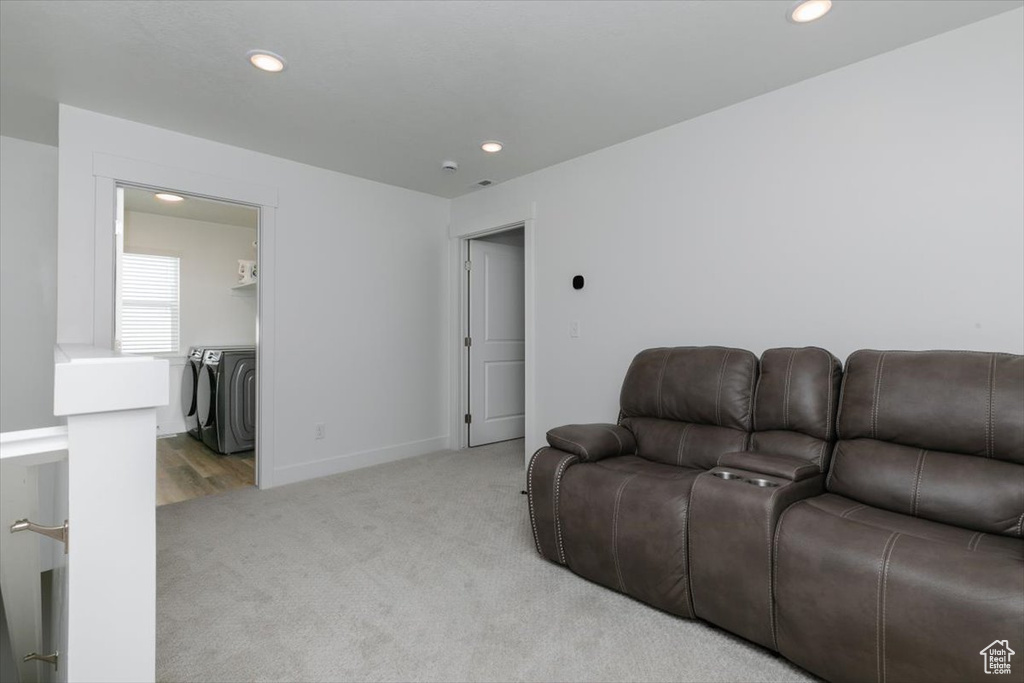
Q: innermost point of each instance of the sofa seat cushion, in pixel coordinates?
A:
(623, 523)
(867, 594)
(975, 541)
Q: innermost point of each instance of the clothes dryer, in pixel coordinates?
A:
(190, 384)
(226, 400)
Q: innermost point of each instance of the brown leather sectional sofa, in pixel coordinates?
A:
(866, 524)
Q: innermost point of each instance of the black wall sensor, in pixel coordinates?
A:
(577, 282)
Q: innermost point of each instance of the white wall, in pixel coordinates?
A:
(879, 205)
(28, 283)
(211, 312)
(360, 292)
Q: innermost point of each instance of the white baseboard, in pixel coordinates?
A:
(357, 460)
(170, 428)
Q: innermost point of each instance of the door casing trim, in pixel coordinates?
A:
(459, 297)
(110, 171)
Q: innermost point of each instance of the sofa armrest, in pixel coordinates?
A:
(593, 442)
(782, 466)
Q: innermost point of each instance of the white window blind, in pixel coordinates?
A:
(149, 304)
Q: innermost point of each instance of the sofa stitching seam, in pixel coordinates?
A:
(686, 556)
(890, 545)
(615, 532)
(842, 391)
(754, 387)
(768, 547)
(917, 482)
(832, 469)
(755, 397)
(661, 382)
(828, 392)
(558, 522)
(775, 573)
(877, 396)
(718, 395)
(529, 499)
(821, 457)
(850, 510)
(786, 388)
(682, 444)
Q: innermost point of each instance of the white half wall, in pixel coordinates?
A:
(875, 206)
(28, 283)
(360, 292)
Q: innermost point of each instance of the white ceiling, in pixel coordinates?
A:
(193, 208)
(387, 90)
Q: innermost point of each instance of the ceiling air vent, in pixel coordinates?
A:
(485, 183)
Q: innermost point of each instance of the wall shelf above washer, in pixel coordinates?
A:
(248, 289)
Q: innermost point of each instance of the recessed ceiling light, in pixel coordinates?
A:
(266, 60)
(809, 10)
(168, 197)
(491, 146)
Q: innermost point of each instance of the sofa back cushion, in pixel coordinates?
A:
(795, 403)
(688, 405)
(934, 434)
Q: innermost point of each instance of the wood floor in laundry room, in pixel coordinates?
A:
(186, 469)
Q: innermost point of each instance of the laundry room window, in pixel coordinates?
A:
(150, 312)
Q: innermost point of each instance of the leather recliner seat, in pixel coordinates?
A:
(912, 562)
(611, 501)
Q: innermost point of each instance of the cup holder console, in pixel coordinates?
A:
(729, 476)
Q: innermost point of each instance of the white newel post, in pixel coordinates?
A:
(110, 404)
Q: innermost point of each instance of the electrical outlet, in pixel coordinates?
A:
(574, 329)
(319, 430)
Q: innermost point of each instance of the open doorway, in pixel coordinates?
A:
(496, 338)
(186, 290)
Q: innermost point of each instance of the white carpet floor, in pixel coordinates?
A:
(418, 570)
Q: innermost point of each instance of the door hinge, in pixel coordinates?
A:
(469, 265)
(468, 341)
(469, 419)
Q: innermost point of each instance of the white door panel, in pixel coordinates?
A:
(497, 353)
(505, 381)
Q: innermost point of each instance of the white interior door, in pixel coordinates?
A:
(497, 343)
